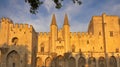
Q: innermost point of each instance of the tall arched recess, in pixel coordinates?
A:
(72, 62)
(101, 62)
(48, 62)
(39, 62)
(91, 62)
(112, 62)
(13, 59)
(60, 61)
(81, 62)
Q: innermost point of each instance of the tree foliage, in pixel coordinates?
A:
(35, 4)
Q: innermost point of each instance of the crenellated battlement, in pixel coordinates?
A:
(25, 26)
(43, 34)
(80, 34)
(20, 27)
(6, 19)
(15, 26)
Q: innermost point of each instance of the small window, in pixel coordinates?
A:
(14, 40)
(111, 33)
(87, 41)
(42, 49)
(99, 33)
(73, 48)
(101, 48)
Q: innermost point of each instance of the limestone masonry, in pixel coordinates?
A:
(22, 46)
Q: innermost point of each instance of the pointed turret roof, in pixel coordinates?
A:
(66, 22)
(53, 20)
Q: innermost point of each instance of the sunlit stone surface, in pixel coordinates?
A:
(22, 46)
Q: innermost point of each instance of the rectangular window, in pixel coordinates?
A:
(111, 33)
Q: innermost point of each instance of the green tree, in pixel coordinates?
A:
(35, 4)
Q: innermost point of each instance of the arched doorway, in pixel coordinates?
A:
(60, 61)
(101, 62)
(13, 59)
(81, 62)
(112, 62)
(72, 62)
(48, 62)
(91, 62)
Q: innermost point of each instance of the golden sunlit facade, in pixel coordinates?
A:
(99, 47)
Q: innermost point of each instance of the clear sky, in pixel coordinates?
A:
(79, 16)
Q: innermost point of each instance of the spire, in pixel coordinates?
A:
(53, 20)
(66, 22)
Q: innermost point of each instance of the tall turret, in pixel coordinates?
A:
(4, 30)
(66, 35)
(53, 31)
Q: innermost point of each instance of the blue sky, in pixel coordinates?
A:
(79, 16)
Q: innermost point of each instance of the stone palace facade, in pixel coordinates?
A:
(22, 46)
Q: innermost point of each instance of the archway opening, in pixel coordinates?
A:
(48, 62)
(101, 62)
(39, 62)
(72, 62)
(60, 61)
(91, 62)
(13, 59)
(81, 62)
(112, 62)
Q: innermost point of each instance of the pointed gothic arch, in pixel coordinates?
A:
(13, 59)
(112, 61)
(81, 62)
(48, 62)
(72, 62)
(91, 62)
(39, 62)
(101, 62)
(53, 62)
(60, 61)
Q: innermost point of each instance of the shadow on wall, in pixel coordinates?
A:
(68, 61)
(14, 56)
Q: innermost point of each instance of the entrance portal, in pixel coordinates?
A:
(13, 59)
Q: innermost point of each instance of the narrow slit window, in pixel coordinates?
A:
(111, 33)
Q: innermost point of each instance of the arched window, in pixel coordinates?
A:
(81, 62)
(112, 62)
(101, 62)
(91, 62)
(14, 40)
(72, 62)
